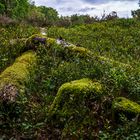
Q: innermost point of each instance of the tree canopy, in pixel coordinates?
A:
(14, 8)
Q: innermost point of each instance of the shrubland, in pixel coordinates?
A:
(86, 90)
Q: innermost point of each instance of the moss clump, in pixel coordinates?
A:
(18, 74)
(77, 91)
(51, 41)
(73, 104)
(72, 97)
(122, 104)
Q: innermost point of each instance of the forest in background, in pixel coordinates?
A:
(26, 11)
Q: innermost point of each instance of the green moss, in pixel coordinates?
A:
(77, 90)
(51, 41)
(73, 105)
(28, 57)
(125, 105)
(80, 51)
(72, 51)
(18, 74)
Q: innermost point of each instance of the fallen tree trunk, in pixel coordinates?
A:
(14, 78)
(71, 50)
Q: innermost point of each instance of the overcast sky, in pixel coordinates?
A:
(91, 7)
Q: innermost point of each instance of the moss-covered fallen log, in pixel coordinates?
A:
(71, 50)
(116, 70)
(14, 78)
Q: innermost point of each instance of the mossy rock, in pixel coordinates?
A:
(124, 105)
(76, 91)
(72, 106)
(17, 75)
(72, 97)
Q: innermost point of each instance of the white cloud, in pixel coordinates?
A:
(69, 7)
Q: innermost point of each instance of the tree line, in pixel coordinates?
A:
(27, 11)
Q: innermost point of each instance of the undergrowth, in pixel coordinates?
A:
(29, 117)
